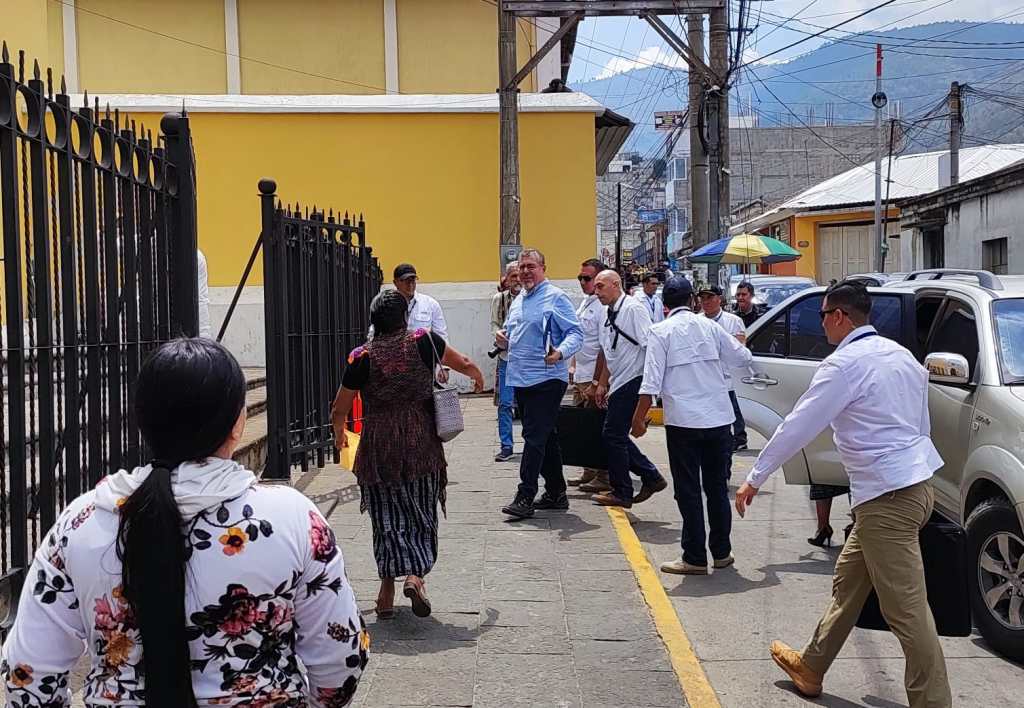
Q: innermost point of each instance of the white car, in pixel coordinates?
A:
(967, 327)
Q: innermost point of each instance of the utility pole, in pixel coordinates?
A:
(718, 27)
(878, 101)
(509, 118)
(698, 156)
(618, 224)
(955, 126)
(713, 103)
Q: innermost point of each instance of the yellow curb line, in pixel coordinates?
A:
(694, 682)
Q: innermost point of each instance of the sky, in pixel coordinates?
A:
(610, 45)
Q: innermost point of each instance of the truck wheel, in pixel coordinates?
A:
(996, 554)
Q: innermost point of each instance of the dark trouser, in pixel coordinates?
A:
(700, 458)
(542, 456)
(623, 454)
(739, 427)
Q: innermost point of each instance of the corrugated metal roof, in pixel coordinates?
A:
(912, 176)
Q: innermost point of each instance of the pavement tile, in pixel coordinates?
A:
(400, 686)
(623, 624)
(515, 680)
(608, 689)
(522, 614)
(524, 640)
(617, 581)
(647, 654)
(524, 591)
(505, 572)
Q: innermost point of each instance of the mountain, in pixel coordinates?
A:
(837, 80)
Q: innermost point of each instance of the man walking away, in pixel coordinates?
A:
(424, 311)
(686, 357)
(541, 333)
(650, 298)
(582, 370)
(500, 304)
(745, 309)
(711, 303)
(623, 346)
(874, 394)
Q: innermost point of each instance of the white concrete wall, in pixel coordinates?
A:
(999, 215)
(467, 309)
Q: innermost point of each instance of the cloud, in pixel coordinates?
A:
(651, 56)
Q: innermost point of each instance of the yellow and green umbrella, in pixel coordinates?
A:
(743, 249)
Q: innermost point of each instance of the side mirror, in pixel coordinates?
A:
(944, 367)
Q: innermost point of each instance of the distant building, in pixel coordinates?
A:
(643, 204)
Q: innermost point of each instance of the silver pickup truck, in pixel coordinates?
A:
(967, 328)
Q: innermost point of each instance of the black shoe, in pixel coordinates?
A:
(546, 502)
(504, 455)
(823, 539)
(521, 508)
(649, 490)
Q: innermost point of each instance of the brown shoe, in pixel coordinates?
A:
(649, 490)
(598, 485)
(681, 567)
(415, 591)
(789, 660)
(586, 477)
(609, 499)
(720, 563)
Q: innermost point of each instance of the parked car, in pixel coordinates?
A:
(876, 280)
(770, 290)
(967, 328)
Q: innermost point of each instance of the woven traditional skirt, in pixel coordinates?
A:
(404, 522)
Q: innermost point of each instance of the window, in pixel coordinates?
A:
(679, 168)
(957, 333)
(797, 333)
(994, 256)
(927, 309)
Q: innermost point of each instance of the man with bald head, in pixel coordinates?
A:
(621, 367)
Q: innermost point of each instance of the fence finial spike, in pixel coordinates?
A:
(63, 85)
(279, 204)
(49, 81)
(346, 215)
(108, 112)
(183, 111)
(36, 74)
(21, 65)
(360, 216)
(5, 54)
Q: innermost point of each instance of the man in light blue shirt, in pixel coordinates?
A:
(541, 333)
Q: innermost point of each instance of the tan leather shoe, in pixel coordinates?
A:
(649, 490)
(681, 567)
(585, 477)
(789, 660)
(598, 485)
(609, 499)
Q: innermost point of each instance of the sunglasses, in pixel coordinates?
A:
(825, 313)
(584, 278)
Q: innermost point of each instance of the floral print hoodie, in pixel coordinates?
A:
(272, 619)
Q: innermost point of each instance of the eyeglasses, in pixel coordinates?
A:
(584, 278)
(825, 313)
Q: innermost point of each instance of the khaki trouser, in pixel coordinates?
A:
(581, 399)
(883, 552)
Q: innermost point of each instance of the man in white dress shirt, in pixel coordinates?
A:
(621, 365)
(686, 357)
(424, 311)
(648, 295)
(582, 370)
(874, 394)
(711, 303)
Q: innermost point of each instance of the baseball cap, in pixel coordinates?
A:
(404, 270)
(710, 290)
(677, 287)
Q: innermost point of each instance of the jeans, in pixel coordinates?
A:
(700, 458)
(739, 428)
(623, 454)
(506, 400)
(542, 456)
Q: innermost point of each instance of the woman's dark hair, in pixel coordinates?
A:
(389, 312)
(189, 395)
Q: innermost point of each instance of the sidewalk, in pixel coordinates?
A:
(542, 612)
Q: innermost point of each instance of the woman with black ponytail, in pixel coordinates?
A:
(184, 581)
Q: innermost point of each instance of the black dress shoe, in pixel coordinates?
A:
(557, 504)
(649, 490)
(521, 508)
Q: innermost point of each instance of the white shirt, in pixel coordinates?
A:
(732, 325)
(625, 360)
(591, 314)
(653, 304)
(875, 396)
(425, 313)
(205, 329)
(685, 358)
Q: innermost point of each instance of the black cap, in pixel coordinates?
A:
(711, 290)
(404, 270)
(677, 288)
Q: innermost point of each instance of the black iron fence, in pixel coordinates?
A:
(99, 268)
(319, 277)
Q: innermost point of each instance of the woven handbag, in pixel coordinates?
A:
(447, 409)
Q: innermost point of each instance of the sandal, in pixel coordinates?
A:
(415, 592)
(385, 612)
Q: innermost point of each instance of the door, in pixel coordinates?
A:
(951, 406)
(787, 351)
(830, 253)
(843, 250)
(857, 240)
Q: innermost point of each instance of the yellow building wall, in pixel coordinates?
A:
(325, 46)
(805, 229)
(451, 46)
(24, 27)
(55, 36)
(116, 57)
(427, 185)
